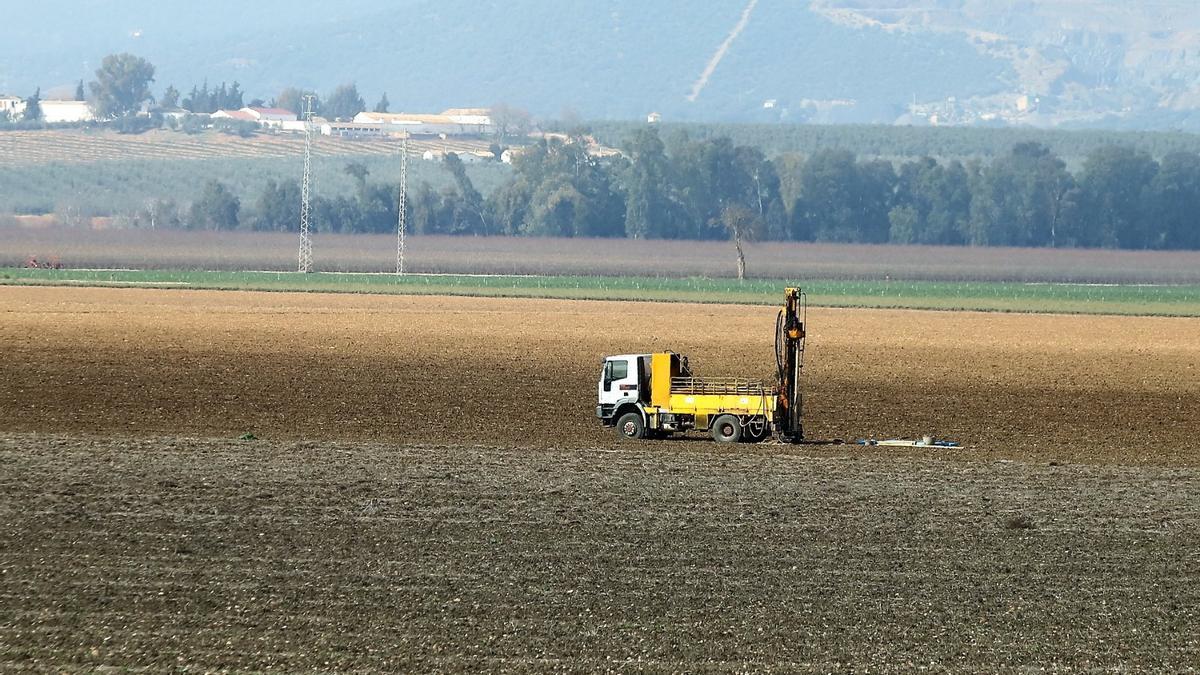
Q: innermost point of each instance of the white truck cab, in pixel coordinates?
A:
(622, 381)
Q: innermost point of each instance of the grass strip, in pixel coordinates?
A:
(1144, 300)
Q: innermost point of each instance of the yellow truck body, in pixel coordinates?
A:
(674, 393)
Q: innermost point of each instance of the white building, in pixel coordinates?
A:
(13, 105)
(267, 118)
(54, 112)
(471, 116)
(296, 126)
(352, 130)
(240, 115)
(271, 117)
(463, 122)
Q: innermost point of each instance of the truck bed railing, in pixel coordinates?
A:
(717, 386)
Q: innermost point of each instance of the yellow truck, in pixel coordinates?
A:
(657, 395)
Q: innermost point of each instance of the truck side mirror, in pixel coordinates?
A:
(608, 380)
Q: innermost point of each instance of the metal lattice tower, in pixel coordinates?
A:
(402, 225)
(306, 261)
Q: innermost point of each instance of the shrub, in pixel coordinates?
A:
(243, 128)
(135, 124)
(194, 124)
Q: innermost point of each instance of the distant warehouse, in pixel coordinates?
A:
(352, 129)
(53, 111)
(56, 112)
(452, 122)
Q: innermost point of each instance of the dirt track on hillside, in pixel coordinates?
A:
(521, 373)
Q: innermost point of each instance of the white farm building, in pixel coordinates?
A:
(452, 122)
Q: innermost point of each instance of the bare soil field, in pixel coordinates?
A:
(522, 373)
(433, 493)
(239, 251)
(205, 555)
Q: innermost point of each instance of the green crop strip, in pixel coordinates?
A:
(1159, 300)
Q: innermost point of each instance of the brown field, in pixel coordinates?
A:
(76, 146)
(433, 493)
(144, 249)
(521, 373)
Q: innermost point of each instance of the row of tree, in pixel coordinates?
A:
(204, 100)
(1121, 197)
(909, 141)
(122, 86)
(714, 189)
(344, 102)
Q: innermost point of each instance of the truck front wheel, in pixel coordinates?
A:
(630, 425)
(727, 429)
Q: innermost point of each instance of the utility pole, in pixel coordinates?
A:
(306, 262)
(402, 225)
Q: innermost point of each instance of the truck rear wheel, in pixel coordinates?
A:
(630, 425)
(727, 429)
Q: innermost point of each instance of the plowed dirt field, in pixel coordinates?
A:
(521, 373)
(433, 493)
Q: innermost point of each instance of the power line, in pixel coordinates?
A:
(306, 260)
(402, 224)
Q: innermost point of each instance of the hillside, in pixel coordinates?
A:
(1079, 62)
(834, 61)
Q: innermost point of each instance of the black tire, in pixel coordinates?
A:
(726, 429)
(630, 425)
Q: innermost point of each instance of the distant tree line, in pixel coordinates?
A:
(122, 88)
(713, 189)
(701, 183)
(204, 100)
(890, 141)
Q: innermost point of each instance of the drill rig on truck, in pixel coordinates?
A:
(657, 395)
